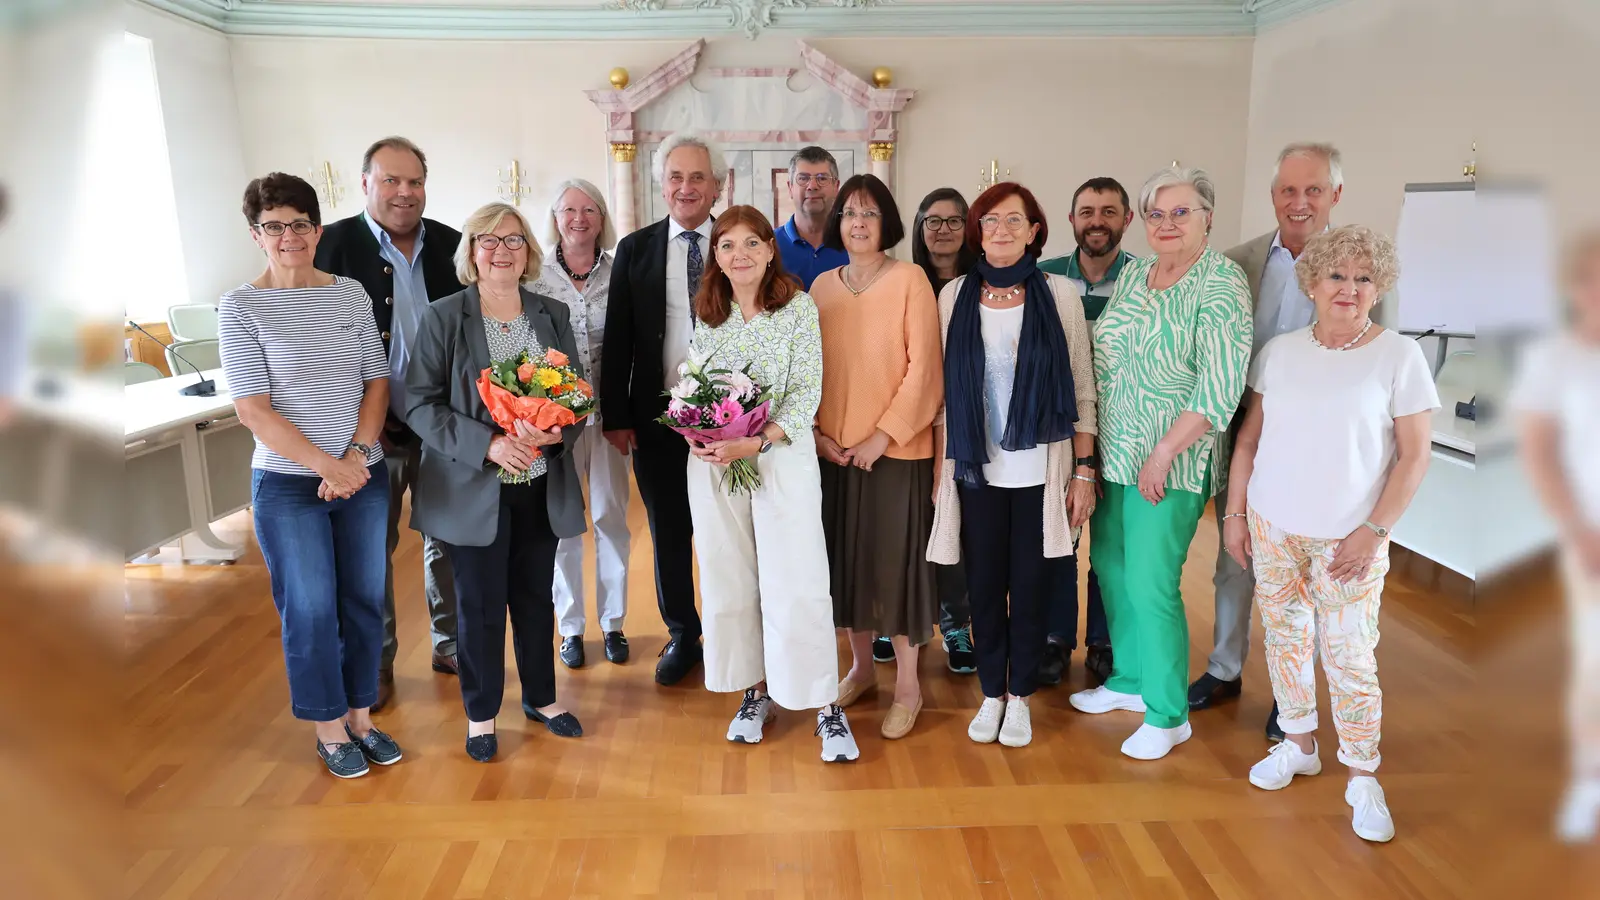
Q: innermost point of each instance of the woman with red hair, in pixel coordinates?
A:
(763, 560)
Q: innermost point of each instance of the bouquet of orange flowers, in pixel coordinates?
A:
(544, 392)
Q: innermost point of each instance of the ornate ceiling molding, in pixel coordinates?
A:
(748, 16)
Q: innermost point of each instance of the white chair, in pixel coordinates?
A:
(139, 373)
(205, 354)
(192, 322)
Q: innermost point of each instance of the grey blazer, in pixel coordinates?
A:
(457, 495)
(1252, 257)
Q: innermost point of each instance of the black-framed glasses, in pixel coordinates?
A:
(948, 223)
(821, 179)
(276, 229)
(1013, 222)
(491, 241)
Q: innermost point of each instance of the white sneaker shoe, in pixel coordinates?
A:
(838, 744)
(1282, 764)
(985, 725)
(1017, 729)
(1371, 820)
(1103, 700)
(1580, 812)
(754, 711)
(1150, 742)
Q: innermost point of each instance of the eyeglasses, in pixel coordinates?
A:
(1177, 216)
(806, 178)
(276, 229)
(573, 210)
(865, 215)
(512, 241)
(1014, 222)
(949, 223)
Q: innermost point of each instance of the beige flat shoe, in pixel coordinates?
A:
(851, 691)
(900, 720)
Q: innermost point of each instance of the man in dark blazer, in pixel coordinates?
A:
(649, 323)
(405, 262)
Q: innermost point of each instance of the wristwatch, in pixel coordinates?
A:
(366, 449)
(1378, 530)
(765, 444)
(1091, 461)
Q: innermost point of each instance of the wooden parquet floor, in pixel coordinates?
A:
(222, 795)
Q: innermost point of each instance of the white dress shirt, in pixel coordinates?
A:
(680, 324)
(1282, 306)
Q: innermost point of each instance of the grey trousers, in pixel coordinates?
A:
(438, 581)
(1235, 596)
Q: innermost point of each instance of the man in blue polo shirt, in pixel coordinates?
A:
(1100, 215)
(813, 184)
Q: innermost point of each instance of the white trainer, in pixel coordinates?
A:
(1371, 820)
(838, 744)
(1017, 729)
(755, 711)
(1103, 700)
(1150, 742)
(1282, 764)
(1580, 812)
(985, 725)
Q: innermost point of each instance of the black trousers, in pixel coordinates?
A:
(514, 574)
(1002, 543)
(660, 465)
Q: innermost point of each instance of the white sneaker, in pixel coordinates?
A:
(1371, 820)
(985, 725)
(1017, 729)
(1150, 742)
(1580, 812)
(838, 744)
(1103, 700)
(754, 711)
(1282, 764)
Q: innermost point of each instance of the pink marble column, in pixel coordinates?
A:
(624, 212)
(882, 153)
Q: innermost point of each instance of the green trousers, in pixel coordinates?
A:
(1138, 551)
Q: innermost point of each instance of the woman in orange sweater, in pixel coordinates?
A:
(882, 384)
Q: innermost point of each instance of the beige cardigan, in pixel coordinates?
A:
(944, 544)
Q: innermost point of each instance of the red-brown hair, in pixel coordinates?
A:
(715, 301)
(997, 195)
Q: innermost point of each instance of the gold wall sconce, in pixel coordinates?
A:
(330, 189)
(1470, 170)
(512, 188)
(991, 177)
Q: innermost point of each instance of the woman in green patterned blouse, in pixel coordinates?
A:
(765, 593)
(1171, 352)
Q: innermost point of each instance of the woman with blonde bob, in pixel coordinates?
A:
(1345, 405)
(501, 537)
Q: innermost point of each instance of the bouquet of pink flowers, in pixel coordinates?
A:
(719, 405)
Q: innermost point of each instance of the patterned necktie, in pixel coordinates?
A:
(697, 266)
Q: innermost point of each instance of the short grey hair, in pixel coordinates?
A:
(813, 155)
(719, 165)
(1328, 153)
(1175, 176)
(550, 234)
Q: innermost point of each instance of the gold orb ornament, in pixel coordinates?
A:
(619, 78)
(882, 77)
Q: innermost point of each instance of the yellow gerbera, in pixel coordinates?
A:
(549, 378)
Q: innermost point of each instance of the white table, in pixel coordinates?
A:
(193, 448)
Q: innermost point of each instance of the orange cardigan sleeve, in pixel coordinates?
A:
(921, 392)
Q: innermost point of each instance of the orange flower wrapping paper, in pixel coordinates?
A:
(506, 408)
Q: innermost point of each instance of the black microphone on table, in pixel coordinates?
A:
(1429, 333)
(204, 388)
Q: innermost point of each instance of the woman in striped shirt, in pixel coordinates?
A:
(308, 375)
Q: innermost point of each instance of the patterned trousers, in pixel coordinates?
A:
(1304, 612)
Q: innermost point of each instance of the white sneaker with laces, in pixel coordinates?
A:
(1371, 820)
(985, 725)
(1017, 729)
(1282, 764)
(1103, 700)
(838, 744)
(754, 711)
(1580, 812)
(1150, 742)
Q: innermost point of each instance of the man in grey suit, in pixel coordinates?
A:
(1305, 189)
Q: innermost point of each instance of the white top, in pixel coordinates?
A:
(1327, 440)
(586, 307)
(312, 350)
(680, 321)
(1561, 377)
(1002, 330)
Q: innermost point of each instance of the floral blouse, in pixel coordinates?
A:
(587, 307)
(784, 350)
(1160, 353)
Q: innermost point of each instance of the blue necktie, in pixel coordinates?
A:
(697, 266)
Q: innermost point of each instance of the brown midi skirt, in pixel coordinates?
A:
(876, 525)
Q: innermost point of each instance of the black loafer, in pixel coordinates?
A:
(882, 649)
(1054, 664)
(616, 647)
(572, 652)
(1208, 690)
(1097, 661)
(1274, 731)
(379, 748)
(344, 761)
(483, 747)
(678, 659)
(564, 725)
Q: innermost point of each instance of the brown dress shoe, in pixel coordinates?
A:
(385, 689)
(446, 664)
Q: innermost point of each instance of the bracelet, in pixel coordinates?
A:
(1235, 516)
(1077, 477)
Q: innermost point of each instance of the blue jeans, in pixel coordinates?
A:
(1062, 612)
(326, 560)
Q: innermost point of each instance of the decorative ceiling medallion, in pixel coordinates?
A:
(749, 16)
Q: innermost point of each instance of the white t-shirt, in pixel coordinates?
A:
(1327, 439)
(1002, 330)
(1561, 377)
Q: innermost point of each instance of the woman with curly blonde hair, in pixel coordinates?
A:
(1335, 441)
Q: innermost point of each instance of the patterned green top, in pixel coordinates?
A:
(1160, 353)
(784, 349)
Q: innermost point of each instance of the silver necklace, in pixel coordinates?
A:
(1353, 341)
(844, 276)
(1007, 297)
